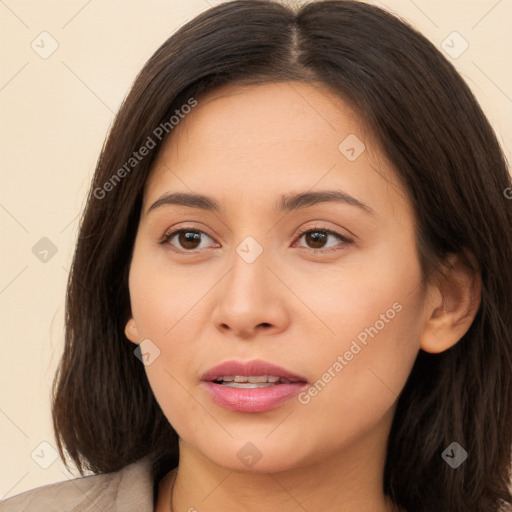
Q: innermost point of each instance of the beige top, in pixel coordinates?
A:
(129, 490)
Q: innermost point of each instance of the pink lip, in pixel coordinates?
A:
(249, 368)
(252, 399)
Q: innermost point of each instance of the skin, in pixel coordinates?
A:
(294, 306)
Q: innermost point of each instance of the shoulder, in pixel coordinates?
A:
(130, 489)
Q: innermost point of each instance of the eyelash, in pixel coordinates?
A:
(345, 240)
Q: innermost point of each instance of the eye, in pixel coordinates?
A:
(188, 238)
(317, 237)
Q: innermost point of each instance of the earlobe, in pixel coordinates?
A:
(131, 331)
(453, 305)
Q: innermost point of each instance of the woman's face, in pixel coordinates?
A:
(329, 290)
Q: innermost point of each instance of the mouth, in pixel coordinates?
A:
(251, 386)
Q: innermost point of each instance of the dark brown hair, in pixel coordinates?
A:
(443, 149)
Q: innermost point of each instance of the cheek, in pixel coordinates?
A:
(160, 296)
(360, 375)
(161, 304)
(375, 298)
(375, 317)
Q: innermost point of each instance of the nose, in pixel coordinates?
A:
(251, 300)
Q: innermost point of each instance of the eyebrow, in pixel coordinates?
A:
(285, 204)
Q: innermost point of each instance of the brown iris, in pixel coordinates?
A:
(315, 237)
(188, 238)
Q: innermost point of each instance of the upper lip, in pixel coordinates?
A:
(254, 367)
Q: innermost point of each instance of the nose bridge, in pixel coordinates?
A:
(248, 296)
(248, 274)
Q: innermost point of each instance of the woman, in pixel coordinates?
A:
(292, 284)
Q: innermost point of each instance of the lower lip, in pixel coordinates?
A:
(253, 399)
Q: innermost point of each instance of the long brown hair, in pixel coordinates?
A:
(444, 150)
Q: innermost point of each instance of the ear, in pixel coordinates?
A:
(452, 304)
(131, 331)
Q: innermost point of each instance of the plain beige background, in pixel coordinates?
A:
(55, 110)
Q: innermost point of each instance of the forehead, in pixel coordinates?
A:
(242, 141)
(269, 112)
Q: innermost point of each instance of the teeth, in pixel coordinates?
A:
(256, 379)
(248, 385)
